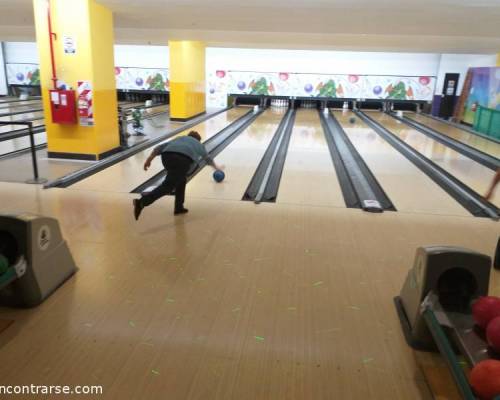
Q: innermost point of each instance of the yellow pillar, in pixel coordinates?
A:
(187, 79)
(90, 27)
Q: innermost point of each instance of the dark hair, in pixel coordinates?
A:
(195, 135)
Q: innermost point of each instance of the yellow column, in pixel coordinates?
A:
(90, 26)
(187, 79)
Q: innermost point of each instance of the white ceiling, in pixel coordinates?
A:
(459, 26)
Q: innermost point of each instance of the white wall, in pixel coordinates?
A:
(307, 61)
(125, 55)
(460, 63)
(331, 62)
(3, 78)
(21, 53)
(141, 56)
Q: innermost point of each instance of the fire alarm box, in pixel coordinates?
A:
(62, 105)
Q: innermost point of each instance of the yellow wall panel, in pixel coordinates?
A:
(187, 78)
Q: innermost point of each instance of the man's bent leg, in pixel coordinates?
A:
(165, 188)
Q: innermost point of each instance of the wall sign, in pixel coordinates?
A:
(69, 45)
(85, 111)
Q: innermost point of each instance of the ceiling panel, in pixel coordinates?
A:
(423, 25)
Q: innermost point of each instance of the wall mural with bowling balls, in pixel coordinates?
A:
(217, 88)
(484, 91)
(220, 83)
(23, 74)
(128, 78)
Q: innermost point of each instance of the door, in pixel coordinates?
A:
(448, 95)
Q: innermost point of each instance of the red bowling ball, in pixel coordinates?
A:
(485, 379)
(493, 334)
(485, 309)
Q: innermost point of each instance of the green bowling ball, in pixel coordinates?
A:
(4, 264)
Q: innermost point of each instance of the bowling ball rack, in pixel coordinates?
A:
(459, 341)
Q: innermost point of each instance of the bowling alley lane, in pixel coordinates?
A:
(128, 174)
(471, 173)
(20, 106)
(240, 159)
(21, 143)
(309, 176)
(476, 141)
(28, 115)
(9, 128)
(409, 189)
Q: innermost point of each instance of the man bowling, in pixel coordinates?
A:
(180, 157)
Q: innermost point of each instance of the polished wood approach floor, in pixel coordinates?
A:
(231, 301)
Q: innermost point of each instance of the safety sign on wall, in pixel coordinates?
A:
(69, 45)
(85, 111)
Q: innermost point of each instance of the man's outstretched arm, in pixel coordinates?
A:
(150, 158)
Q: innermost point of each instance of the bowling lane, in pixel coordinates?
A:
(472, 140)
(240, 158)
(28, 115)
(9, 128)
(131, 104)
(128, 174)
(21, 143)
(471, 173)
(20, 106)
(408, 188)
(309, 175)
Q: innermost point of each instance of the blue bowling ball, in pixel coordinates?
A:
(219, 175)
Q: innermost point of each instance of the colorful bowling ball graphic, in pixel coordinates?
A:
(424, 80)
(353, 78)
(118, 70)
(241, 85)
(139, 81)
(308, 88)
(283, 76)
(377, 90)
(20, 76)
(220, 74)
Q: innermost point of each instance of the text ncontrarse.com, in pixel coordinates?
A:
(52, 389)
